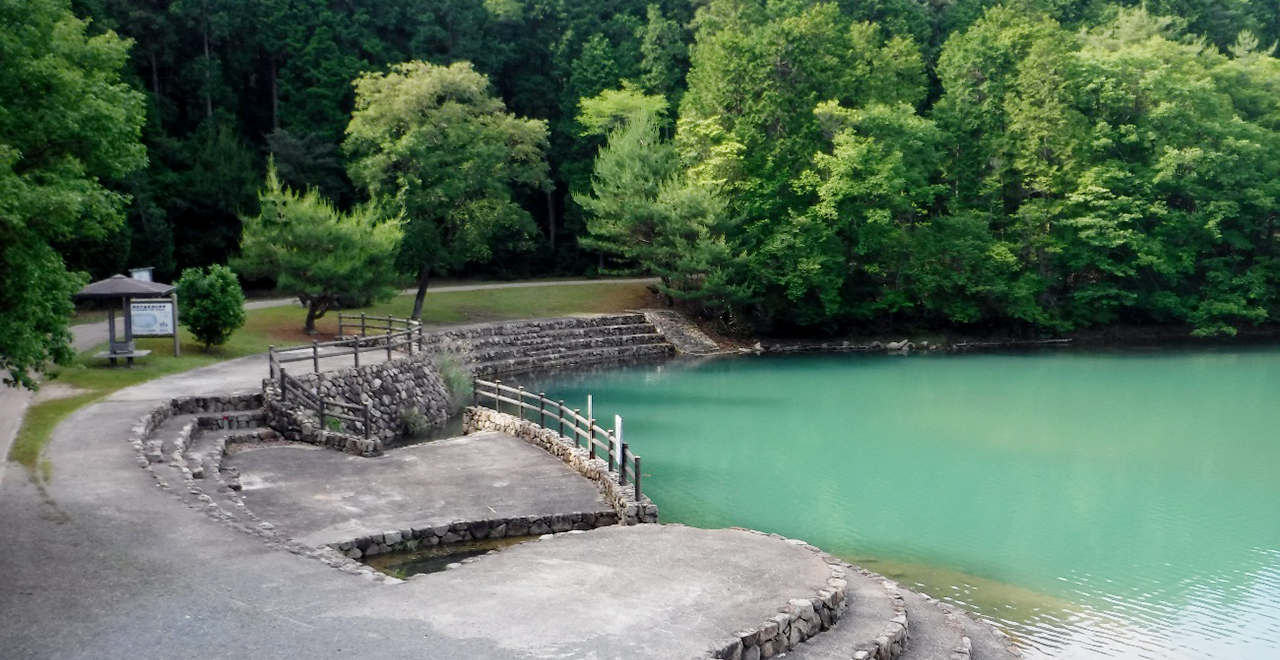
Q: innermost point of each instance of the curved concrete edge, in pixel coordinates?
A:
(802, 619)
(970, 624)
(142, 431)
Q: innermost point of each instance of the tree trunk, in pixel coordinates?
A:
(423, 275)
(314, 312)
(551, 220)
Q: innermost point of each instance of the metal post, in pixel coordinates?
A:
(560, 414)
(315, 356)
(575, 427)
(591, 433)
(542, 409)
(636, 462)
(497, 392)
(173, 297)
(520, 398)
(622, 465)
(388, 340)
(366, 419)
(617, 439)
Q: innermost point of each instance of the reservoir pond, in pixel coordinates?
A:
(1092, 505)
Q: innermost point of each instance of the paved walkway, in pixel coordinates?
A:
(320, 496)
(14, 402)
(100, 563)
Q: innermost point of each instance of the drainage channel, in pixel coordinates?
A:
(433, 559)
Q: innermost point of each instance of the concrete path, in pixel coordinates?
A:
(320, 496)
(100, 563)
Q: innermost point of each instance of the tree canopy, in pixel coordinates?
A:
(318, 253)
(820, 165)
(435, 144)
(68, 125)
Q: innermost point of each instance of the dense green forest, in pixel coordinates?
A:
(783, 165)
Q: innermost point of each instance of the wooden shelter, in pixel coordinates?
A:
(124, 289)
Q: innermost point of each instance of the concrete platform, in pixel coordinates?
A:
(646, 591)
(319, 496)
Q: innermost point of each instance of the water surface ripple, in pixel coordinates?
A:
(1113, 505)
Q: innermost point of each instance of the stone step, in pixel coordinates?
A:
(563, 346)
(986, 641)
(875, 612)
(934, 634)
(171, 436)
(574, 358)
(533, 337)
(477, 332)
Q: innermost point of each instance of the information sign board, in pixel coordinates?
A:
(152, 318)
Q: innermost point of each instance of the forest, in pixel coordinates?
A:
(785, 166)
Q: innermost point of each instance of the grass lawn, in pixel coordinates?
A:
(92, 379)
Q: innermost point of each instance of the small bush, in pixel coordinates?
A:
(334, 424)
(413, 424)
(456, 377)
(210, 304)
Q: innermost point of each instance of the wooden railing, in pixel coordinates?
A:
(325, 409)
(396, 334)
(584, 431)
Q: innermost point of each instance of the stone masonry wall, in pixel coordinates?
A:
(621, 498)
(390, 388)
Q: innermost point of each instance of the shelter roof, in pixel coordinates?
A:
(119, 286)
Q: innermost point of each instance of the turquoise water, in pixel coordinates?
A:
(1093, 505)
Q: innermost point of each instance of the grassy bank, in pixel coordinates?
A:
(89, 379)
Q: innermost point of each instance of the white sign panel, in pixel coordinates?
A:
(152, 319)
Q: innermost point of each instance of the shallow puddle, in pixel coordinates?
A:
(436, 558)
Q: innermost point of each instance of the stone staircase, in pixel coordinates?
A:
(523, 346)
(930, 630)
(185, 454)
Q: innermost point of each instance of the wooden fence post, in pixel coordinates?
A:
(542, 409)
(561, 416)
(591, 433)
(363, 332)
(520, 398)
(388, 340)
(284, 388)
(366, 419)
(271, 361)
(315, 356)
(622, 465)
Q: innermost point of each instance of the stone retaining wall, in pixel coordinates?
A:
(802, 618)
(391, 388)
(476, 530)
(621, 498)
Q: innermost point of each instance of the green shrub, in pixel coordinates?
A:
(413, 424)
(210, 304)
(456, 377)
